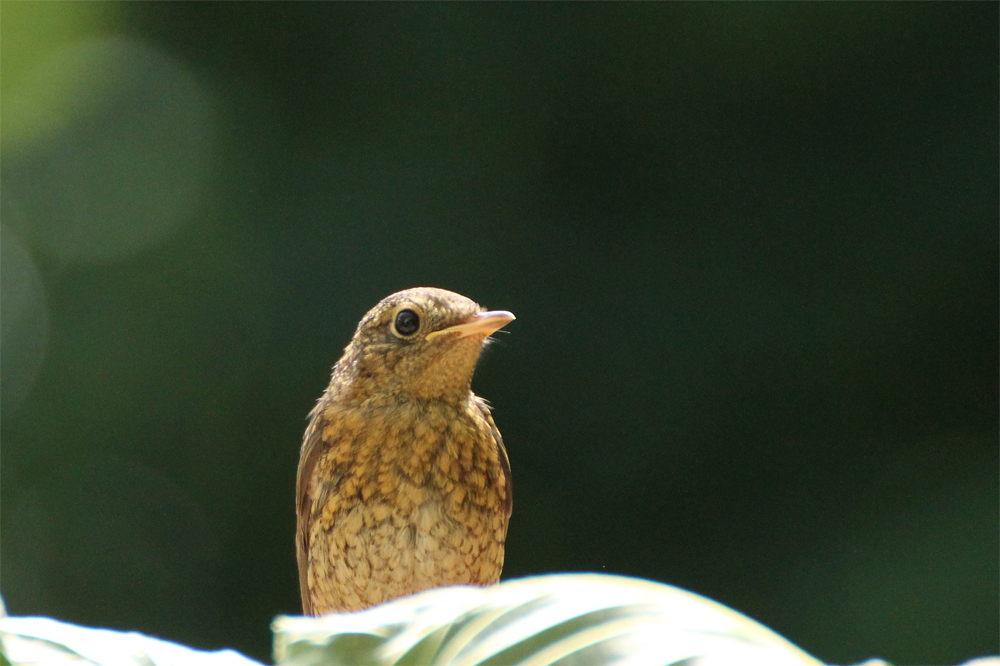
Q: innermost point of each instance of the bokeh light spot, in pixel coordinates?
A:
(127, 168)
(25, 324)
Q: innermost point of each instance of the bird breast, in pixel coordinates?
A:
(405, 498)
(406, 453)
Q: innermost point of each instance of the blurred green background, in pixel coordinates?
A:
(752, 249)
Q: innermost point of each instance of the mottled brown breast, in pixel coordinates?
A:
(398, 497)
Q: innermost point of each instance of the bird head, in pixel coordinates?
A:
(419, 343)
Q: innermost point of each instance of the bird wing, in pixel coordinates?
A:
(484, 408)
(312, 447)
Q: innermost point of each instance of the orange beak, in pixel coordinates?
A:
(480, 324)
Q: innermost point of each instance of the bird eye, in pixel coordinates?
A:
(407, 323)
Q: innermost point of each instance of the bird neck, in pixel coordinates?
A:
(393, 374)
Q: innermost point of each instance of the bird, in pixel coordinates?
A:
(403, 481)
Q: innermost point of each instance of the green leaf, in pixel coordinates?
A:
(541, 621)
(40, 640)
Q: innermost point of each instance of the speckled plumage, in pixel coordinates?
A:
(403, 479)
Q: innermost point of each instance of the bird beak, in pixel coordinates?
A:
(480, 324)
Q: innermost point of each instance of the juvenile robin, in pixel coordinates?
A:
(403, 481)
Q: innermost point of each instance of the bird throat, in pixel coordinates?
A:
(443, 372)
